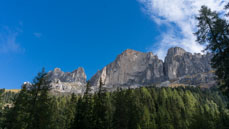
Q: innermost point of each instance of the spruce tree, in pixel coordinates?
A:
(1, 108)
(18, 115)
(70, 111)
(32, 108)
(213, 31)
(40, 112)
(101, 109)
(120, 116)
(84, 111)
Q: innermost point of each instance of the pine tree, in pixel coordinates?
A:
(18, 116)
(213, 31)
(40, 111)
(70, 111)
(84, 111)
(101, 109)
(1, 108)
(32, 108)
(120, 116)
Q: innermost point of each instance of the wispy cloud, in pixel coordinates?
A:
(178, 17)
(37, 34)
(8, 40)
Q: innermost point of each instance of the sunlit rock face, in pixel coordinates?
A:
(133, 69)
(67, 82)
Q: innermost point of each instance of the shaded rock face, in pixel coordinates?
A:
(200, 79)
(68, 82)
(133, 68)
(179, 63)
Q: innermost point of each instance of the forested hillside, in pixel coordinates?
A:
(142, 108)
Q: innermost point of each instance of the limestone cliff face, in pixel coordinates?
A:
(67, 82)
(179, 63)
(131, 68)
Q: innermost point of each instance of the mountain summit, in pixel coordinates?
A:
(67, 82)
(131, 68)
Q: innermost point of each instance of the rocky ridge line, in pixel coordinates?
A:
(134, 69)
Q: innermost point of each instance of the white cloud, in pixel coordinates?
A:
(178, 16)
(8, 41)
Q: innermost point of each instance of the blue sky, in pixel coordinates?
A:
(86, 33)
(68, 34)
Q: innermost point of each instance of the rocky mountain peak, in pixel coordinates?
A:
(134, 56)
(133, 68)
(130, 52)
(174, 51)
(57, 70)
(179, 63)
(70, 82)
(130, 68)
(74, 76)
(79, 73)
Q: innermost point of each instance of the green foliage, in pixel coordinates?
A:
(1, 107)
(101, 109)
(1, 96)
(156, 108)
(84, 112)
(63, 111)
(213, 31)
(142, 108)
(9, 96)
(32, 108)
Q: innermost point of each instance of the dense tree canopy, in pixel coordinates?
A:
(142, 108)
(32, 108)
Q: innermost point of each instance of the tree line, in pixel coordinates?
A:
(142, 108)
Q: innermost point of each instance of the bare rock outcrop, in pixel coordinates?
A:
(67, 82)
(179, 63)
(131, 68)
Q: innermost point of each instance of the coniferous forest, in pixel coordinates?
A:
(141, 108)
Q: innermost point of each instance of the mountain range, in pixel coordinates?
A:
(133, 69)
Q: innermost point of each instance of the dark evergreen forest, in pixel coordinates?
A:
(141, 108)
